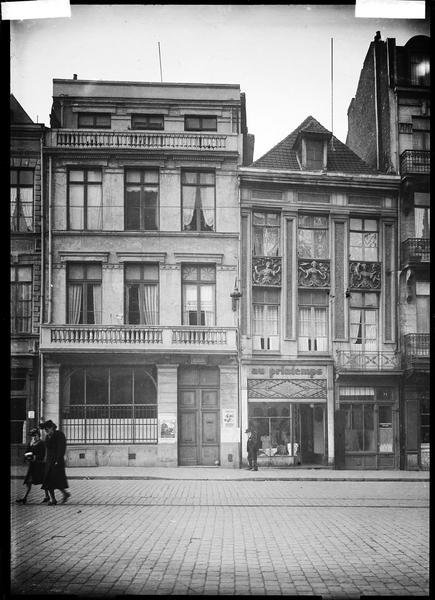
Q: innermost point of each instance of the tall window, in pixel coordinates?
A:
(266, 234)
(19, 393)
(153, 122)
(21, 299)
(198, 197)
(313, 237)
(420, 69)
(85, 199)
(141, 199)
(84, 293)
(313, 321)
(314, 149)
(363, 243)
(265, 318)
(425, 417)
(141, 294)
(22, 199)
(94, 120)
(420, 133)
(197, 123)
(364, 321)
(199, 282)
(422, 221)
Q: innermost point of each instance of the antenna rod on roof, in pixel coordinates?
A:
(160, 61)
(332, 92)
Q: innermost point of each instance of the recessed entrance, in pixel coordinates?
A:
(198, 416)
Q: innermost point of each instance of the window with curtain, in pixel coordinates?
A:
(313, 239)
(364, 308)
(266, 232)
(363, 239)
(141, 199)
(420, 69)
(21, 189)
(420, 133)
(422, 221)
(85, 199)
(199, 290)
(21, 299)
(313, 321)
(359, 431)
(265, 318)
(141, 294)
(84, 293)
(198, 199)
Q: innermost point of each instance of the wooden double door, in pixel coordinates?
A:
(198, 426)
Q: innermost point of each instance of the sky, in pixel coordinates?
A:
(280, 55)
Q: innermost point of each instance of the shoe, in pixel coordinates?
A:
(255, 468)
(21, 500)
(249, 468)
(51, 502)
(65, 497)
(45, 500)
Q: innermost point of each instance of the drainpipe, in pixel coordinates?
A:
(50, 278)
(42, 289)
(239, 348)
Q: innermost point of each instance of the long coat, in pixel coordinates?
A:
(54, 472)
(253, 444)
(35, 471)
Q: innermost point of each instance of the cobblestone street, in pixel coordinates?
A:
(328, 538)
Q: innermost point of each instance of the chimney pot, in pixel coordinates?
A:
(75, 76)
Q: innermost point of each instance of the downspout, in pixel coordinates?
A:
(50, 277)
(42, 288)
(239, 346)
(376, 101)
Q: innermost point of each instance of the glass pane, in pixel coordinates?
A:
(371, 299)
(133, 271)
(121, 386)
(369, 429)
(133, 317)
(151, 176)
(133, 176)
(144, 389)
(77, 387)
(14, 177)
(150, 272)
(356, 299)
(189, 177)
(93, 272)
(97, 390)
(190, 272)
(86, 120)
(76, 271)
(76, 204)
(94, 175)
(102, 120)
(76, 175)
(133, 209)
(259, 218)
(209, 123)
(207, 273)
(24, 274)
(273, 219)
(207, 304)
(355, 239)
(95, 208)
(385, 414)
(356, 224)
(192, 123)
(370, 225)
(206, 178)
(26, 177)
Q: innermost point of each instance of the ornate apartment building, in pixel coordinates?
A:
(320, 368)
(25, 266)
(389, 127)
(139, 341)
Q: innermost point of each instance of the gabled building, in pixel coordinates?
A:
(139, 341)
(320, 366)
(25, 265)
(389, 127)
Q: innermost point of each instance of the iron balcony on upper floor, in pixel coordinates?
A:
(415, 162)
(138, 337)
(416, 252)
(416, 355)
(81, 139)
(351, 361)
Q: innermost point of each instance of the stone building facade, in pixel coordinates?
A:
(320, 366)
(139, 344)
(389, 127)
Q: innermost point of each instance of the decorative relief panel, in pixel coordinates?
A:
(291, 389)
(314, 273)
(266, 270)
(365, 275)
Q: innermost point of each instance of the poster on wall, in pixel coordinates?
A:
(167, 428)
(229, 417)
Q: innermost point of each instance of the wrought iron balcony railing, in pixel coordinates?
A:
(415, 250)
(367, 361)
(160, 338)
(91, 139)
(416, 351)
(415, 162)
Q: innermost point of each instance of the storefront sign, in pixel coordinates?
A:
(167, 428)
(284, 372)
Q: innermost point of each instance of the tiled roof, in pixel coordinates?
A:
(341, 159)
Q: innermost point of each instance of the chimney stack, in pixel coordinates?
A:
(75, 76)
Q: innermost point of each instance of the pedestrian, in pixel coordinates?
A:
(252, 447)
(34, 456)
(54, 467)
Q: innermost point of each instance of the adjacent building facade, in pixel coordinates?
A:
(139, 341)
(319, 350)
(25, 267)
(389, 127)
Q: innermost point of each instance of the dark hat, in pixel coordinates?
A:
(34, 431)
(47, 424)
(248, 430)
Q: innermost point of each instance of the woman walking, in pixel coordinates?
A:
(54, 471)
(35, 453)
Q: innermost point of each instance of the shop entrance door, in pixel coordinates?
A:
(198, 418)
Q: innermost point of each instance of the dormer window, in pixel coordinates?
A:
(420, 69)
(314, 154)
(311, 146)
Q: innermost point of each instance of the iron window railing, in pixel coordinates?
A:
(415, 161)
(416, 250)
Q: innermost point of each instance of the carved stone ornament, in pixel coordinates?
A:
(266, 270)
(365, 275)
(314, 273)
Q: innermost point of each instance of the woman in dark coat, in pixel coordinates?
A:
(54, 471)
(35, 453)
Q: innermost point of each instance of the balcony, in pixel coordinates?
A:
(415, 162)
(416, 356)
(100, 338)
(139, 140)
(367, 361)
(415, 251)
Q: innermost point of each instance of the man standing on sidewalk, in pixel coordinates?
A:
(252, 447)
